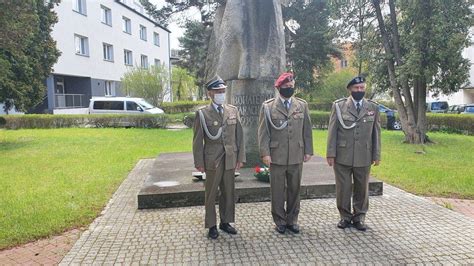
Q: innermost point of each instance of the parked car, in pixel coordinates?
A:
(121, 105)
(454, 109)
(437, 107)
(392, 122)
(467, 109)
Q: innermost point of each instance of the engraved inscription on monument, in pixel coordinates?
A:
(249, 107)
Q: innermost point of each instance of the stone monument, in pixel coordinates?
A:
(247, 49)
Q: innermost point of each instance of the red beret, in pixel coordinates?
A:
(284, 78)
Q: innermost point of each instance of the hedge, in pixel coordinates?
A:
(192, 106)
(61, 121)
(436, 122)
(182, 106)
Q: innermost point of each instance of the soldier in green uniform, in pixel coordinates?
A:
(218, 150)
(353, 146)
(285, 141)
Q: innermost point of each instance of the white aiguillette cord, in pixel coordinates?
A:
(269, 119)
(339, 117)
(206, 130)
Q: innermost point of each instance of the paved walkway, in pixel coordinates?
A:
(463, 206)
(403, 228)
(47, 251)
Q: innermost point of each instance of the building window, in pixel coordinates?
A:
(80, 6)
(156, 39)
(127, 25)
(144, 61)
(106, 15)
(343, 63)
(108, 52)
(109, 88)
(82, 45)
(127, 57)
(143, 32)
(157, 62)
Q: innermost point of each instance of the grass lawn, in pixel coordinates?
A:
(56, 179)
(442, 169)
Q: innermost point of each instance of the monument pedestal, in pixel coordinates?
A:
(170, 183)
(248, 95)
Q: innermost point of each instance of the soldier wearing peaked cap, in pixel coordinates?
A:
(218, 150)
(353, 146)
(285, 141)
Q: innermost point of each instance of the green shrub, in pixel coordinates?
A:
(451, 123)
(2, 121)
(320, 105)
(319, 119)
(182, 106)
(62, 121)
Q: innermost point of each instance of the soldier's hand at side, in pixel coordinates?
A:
(376, 162)
(238, 166)
(307, 157)
(267, 160)
(200, 169)
(330, 161)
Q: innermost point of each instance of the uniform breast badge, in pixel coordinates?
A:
(215, 123)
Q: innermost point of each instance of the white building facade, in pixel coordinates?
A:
(465, 95)
(100, 40)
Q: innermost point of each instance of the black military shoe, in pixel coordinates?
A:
(213, 232)
(293, 228)
(343, 224)
(360, 226)
(226, 227)
(280, 229)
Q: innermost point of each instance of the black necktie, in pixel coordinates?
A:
(287, 104)
(219, 108)
(358, 107)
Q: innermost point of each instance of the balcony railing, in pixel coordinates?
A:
(68, 100)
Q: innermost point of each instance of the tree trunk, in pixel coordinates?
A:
(361, 34)
(416, 93)
(392, 55)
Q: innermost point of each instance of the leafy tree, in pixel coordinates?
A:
(171, 7)
(194, 44)
(423, 51)
(309, 44)
(27, 51)
(334, 85)
(195, 40)
(184, 87)
(150, 83)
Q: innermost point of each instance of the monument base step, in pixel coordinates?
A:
(170, 183)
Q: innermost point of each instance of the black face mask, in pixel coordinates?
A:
(357, 95)
(287, 92)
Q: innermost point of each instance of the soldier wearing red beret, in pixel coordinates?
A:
(285, 142)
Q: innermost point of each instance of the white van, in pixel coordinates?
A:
(121, 105)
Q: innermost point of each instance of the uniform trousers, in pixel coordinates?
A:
(285, 182)
(219, 182)
(345, 175)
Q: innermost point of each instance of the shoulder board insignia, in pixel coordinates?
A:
(340, 100)
(372, 101)
(301, 100)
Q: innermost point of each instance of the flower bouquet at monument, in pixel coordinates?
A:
(262, 173)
